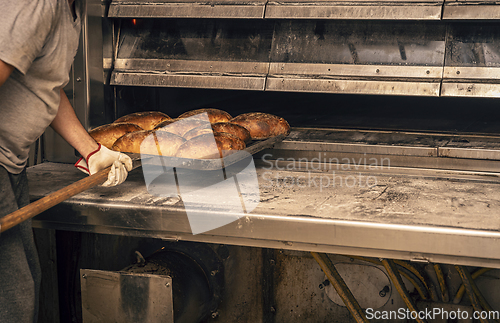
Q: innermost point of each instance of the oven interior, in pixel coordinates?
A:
(479, 116)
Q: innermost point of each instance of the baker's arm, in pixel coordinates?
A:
(69, 127)
(5, 71)
(95, 156)
(66, 123)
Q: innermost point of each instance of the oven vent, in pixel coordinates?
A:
(307, 9)
(471, 10)
(242, 9)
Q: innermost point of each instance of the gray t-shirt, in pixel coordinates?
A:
(40, 39)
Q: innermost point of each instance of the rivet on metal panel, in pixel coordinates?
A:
(384, 291)
(215, 314)
(324, 284)
(272, 262)
(458, 72)
(78, 79)
(377, 70)
(84, 276)
(282, 67)
(213, 272)
(427, 72)
(167, 285)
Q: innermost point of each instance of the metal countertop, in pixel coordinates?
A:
(420, 215)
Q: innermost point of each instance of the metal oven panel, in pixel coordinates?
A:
(109, 296)
(402, 58)
(194, 54)
(472, 60)
(355, 9)
(471, 10)
(303, 9)
(409, 58)
(187, 9)
(290, 9)
(406, 216)
(364, 43)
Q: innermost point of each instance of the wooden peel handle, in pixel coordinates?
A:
(52, 199)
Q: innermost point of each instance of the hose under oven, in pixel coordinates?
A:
(417, 277)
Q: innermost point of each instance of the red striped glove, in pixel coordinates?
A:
(102, 158)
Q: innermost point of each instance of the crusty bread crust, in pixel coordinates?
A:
(234, 129)
(262, 125)
(209, 146)
(198, 131)
(214, 115)
(149, 142)
(167, 143)
(181, 126)
(107, 134)
(146, 120)
(228, 143)
(131, 142)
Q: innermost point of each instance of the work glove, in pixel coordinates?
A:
(102, 158)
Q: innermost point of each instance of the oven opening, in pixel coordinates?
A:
(472, 116)
(461, 134)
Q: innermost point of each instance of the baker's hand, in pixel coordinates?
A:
(102, 158)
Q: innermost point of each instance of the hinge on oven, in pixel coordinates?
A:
(418, 257)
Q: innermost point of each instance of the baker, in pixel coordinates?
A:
(38, 42)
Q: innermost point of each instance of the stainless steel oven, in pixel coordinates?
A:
(394, 151)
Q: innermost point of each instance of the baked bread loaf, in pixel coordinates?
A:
(234, 129)
(209, 146)
(198, 131)
(224, 127)
(214, 115)
(262, 125)
(146, 120)
(131, 142)
(228, 143)
(164, 123)
(149, 142)
(181, 126)
(107, 134)
(167, 143)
